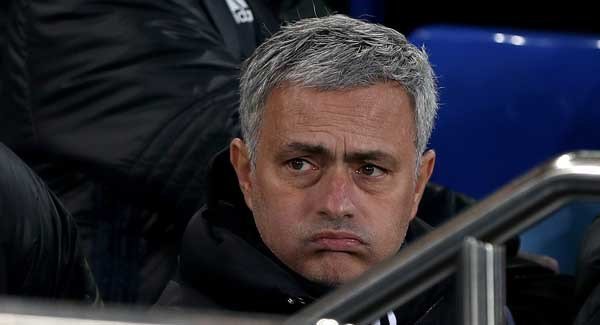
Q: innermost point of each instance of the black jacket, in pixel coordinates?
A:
(40, 253)
(589, 314)
(587, 284)
(225, 265)
(119, 106)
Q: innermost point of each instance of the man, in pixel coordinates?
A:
(336, 114)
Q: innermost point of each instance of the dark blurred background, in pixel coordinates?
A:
(406, 16)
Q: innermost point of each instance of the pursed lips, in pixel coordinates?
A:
(337, 241)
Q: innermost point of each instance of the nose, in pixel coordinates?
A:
(335, 195)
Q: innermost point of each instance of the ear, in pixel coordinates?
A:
(239, 157)
(425, 171)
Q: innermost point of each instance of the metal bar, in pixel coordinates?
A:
(482, 278)
(29, 311)
(508, 212)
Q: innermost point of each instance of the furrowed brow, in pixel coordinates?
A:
(305, 149)
(375, 156)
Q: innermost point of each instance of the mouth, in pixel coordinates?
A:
(337, 241)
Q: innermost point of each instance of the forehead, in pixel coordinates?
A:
(378, 115)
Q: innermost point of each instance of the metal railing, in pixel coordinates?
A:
(40, 312)
(506, 213)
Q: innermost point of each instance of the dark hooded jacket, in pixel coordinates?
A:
(225, 265)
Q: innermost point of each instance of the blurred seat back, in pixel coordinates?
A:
(509, 101)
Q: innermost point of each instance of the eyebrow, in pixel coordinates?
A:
(306, 148)
(371, 155)
(321, 150)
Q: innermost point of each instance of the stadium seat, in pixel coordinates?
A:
(510, 100)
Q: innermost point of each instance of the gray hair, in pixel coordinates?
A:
(336, 53)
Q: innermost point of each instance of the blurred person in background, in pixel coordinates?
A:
(119, 106)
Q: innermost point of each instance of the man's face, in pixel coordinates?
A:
(334, 186)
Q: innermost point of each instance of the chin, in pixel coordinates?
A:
(334, 275)
(332, 280)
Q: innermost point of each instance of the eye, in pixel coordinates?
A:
(370, 170)
(300, 165)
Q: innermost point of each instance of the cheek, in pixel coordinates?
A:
(394, 193)
(279, 215)
(280, 198)
(393, 232)
(388, 217)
